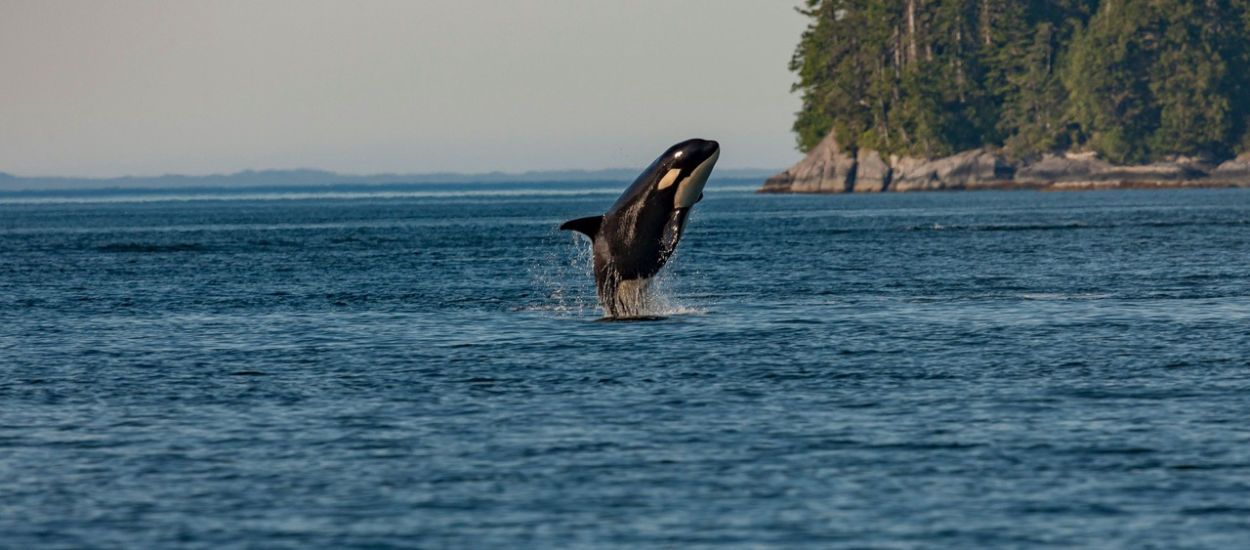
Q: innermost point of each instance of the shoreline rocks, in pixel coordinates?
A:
(1237, 169)
(967, 170)
(830, 169)
(826, 169)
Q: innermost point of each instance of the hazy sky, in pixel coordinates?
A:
(108, 88)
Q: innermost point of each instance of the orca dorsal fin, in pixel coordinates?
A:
(588, 225)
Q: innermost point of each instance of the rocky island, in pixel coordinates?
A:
(911, 95)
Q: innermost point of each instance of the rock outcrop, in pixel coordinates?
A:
(829, 169)
(1069, 167)
(978, 168)
(872, 174)
(826, 169)
(1235, 170)
(1087, 171)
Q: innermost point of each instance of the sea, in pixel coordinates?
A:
(425, 366)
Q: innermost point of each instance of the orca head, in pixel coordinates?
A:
(684, 169)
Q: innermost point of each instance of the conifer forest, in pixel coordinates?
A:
(1133, 80)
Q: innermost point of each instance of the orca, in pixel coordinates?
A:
(638, 234)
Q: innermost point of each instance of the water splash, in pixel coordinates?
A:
(562, 273)
(655, 297)
(566, 277)
(665, 297)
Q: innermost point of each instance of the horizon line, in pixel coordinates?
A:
(322, 171)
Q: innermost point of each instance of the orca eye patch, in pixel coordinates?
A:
(669, 178)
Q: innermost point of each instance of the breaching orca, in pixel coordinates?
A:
(639, 232)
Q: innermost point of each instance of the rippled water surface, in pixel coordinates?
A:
(994, 370)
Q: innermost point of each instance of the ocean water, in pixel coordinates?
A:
(422, 369)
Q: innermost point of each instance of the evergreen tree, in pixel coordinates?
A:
(1185, 81)
(1032, 115)
(1108, 81)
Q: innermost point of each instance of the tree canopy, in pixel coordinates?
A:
(1134, 80)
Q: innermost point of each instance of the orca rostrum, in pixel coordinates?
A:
(638, 234)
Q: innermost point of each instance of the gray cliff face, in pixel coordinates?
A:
(966, 170)
(829, 169)
(826, 169)
(872, 174)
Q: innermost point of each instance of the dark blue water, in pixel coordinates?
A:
(423, 370)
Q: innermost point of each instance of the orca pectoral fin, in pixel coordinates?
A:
(672, 232)
(588, 225)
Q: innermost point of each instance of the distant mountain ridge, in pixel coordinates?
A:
(308, 177)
